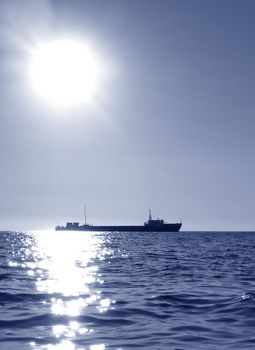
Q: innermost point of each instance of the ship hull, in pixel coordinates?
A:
(164, 228)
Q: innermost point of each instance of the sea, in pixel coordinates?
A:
(120, 291)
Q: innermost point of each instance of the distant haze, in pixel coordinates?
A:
(171, 128)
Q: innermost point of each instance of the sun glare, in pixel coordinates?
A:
(64, 72)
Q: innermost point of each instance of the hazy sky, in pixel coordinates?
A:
(171, 127)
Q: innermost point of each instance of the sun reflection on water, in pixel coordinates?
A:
(69, 263)
(64, 267)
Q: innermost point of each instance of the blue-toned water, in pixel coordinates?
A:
(99, 291)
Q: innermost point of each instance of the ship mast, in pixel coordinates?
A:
(149, 214)
(85, 215)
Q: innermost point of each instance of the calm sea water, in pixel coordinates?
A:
(99, 291)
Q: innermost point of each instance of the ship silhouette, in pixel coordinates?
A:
(152, 225)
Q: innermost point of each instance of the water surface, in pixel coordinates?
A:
(99, 291)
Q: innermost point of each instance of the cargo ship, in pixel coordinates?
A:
(152, 225)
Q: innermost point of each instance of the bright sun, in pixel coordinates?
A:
(64, 72)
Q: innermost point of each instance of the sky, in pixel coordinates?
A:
(170, 128)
